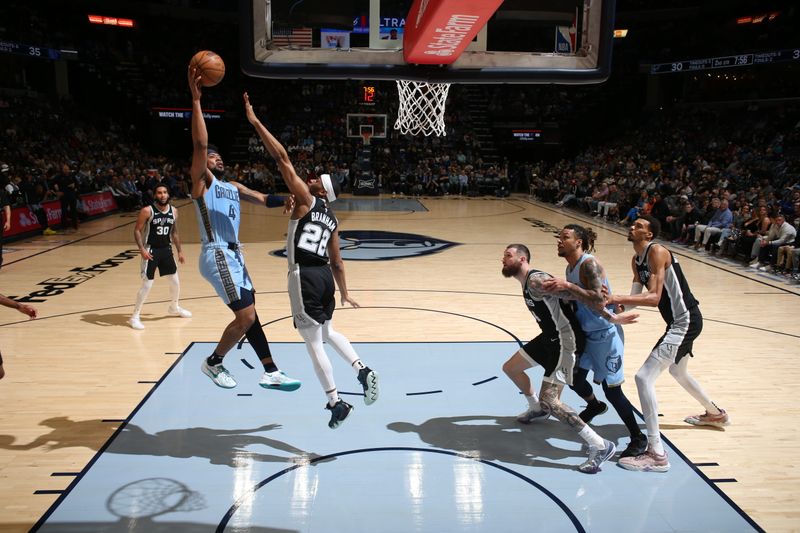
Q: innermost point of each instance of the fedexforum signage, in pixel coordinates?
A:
(55, 286)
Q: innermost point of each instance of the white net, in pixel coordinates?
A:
(421, 107)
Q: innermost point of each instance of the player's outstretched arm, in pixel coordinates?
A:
(296, 186)
(199, 169)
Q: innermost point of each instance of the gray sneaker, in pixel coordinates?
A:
(530, 416)
(598, 456)
(219, 375)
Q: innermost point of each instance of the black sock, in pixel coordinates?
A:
(269, 365)
(623, 408)
(214, 359)
(579, 383)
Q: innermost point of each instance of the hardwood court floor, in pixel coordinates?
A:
(78, 370)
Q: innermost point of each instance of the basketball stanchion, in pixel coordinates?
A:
(421, 108)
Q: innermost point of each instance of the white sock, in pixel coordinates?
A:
(358, 365)
(141, 296)
(655, 444)
(333, 397)
(533, 403)
(591, 437)
(174, 290)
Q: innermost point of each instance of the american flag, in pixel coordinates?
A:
(286, 36)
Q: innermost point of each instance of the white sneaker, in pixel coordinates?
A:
(279, 381)
(135, 323)
(219, 375)
(180, 311)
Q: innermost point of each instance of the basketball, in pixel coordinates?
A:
(210, 67)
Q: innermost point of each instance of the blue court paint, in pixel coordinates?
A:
(193, 456)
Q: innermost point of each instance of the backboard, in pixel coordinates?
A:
(521, 41)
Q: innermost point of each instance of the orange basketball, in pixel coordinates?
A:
(210, 67)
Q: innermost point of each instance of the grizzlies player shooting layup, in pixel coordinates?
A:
(221, 260)
(655, 268)
(312, 239)
(554, 350)
(155, 231)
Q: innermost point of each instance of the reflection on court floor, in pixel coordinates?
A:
(440, 451)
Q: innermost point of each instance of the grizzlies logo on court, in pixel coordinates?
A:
(366, 245)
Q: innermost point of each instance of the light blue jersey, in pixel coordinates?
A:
(221, 260)
(218, 213)
(604, 351)
(588, 319)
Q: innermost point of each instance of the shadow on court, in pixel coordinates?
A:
(120, 319)
(506, 440)
(220, 446)
(65, 433)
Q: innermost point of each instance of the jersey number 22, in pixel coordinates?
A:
(314, 240)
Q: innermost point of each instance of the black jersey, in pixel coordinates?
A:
(158, 230)
(307, 239)
(555, 317)
(676, 298)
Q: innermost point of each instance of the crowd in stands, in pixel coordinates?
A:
(721, 182)
(51, 152)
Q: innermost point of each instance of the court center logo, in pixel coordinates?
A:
(368, 245)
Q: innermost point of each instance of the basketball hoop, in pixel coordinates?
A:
(421, 107)
(366, 136)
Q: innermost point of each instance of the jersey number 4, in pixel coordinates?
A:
(315, 240)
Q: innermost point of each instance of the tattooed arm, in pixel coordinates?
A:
(592, 296)
(536, 283)
(591, 277)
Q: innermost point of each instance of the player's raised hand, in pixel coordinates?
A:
(248, 109)
(195, 83)
(289, 203)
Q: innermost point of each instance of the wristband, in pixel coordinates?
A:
(274, 201)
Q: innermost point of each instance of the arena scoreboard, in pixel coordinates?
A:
(739, 60)
(367, 96)
(33, 50)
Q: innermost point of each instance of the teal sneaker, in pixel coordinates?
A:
(279, 381)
